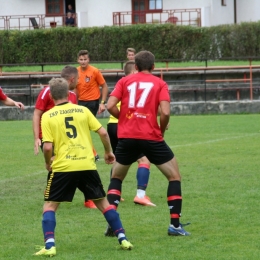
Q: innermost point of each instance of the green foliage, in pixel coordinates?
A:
(109, 43)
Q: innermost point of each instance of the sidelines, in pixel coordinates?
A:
(215, 140)
(24, 176)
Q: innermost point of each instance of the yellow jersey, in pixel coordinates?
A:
(68, 127)
(112, 119)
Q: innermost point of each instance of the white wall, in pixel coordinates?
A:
(222, 14)
(22, 7)
(248, 12)
(100, 14)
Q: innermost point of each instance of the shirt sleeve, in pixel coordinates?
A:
(2, 95)
(100, 78)
(46, 131)
(164, 93)
(93, 123)
(43, 99)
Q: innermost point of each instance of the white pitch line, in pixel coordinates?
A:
(215, 140)
(24, 176)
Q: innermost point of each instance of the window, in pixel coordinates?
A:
(223, 2)
(155, 4)
(54, 7)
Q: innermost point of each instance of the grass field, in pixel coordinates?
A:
(218, 157)
(118, 65)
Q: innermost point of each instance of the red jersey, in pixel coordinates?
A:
(45, 103)
(2, 95)
(140, 95)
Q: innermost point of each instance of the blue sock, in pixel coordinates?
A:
(142, 176)
(48, 226)
(112, 217)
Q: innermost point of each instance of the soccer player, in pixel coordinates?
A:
(66, 134)
(143, 171)
(8, 101)
(130, 53)
(141, 94)
(87, 89)
(44, 103)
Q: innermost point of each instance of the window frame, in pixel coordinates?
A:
(61, 13)
(224, 2)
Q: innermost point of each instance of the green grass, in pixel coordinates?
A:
(218, 156)
(119, 65)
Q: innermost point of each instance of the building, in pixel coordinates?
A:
(30, 14)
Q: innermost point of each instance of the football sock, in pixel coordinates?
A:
(142, 176)
(114, 192)
(174, 202)
(112, 218)
(48, 226)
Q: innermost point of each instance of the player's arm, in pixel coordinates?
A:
(112, 106)
(36, 129)
(47, 152)
(165, 113)
(104, 93)
(10, 102)
(109, 156)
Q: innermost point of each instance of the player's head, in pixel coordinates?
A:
(129, 67)
(130, 53)
(59, 88)
(70, 73)
(144, 60)
(83, 58)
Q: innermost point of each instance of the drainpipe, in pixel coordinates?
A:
(235, 11)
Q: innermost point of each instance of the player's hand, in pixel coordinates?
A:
(167, 127)
(109, 158)
(48, 167)
(37, 144)
(19, 105)
(101, 108)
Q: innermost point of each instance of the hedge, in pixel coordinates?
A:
(109, 43)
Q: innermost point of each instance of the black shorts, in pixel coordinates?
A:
(61, 186)
(128, 151)
(112, 132)
(92, 105)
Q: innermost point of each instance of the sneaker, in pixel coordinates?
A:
(145, 201)
(126, 245)
(90, 204)
(109, 232)
(97, 158)
(179, 231)
(49, 252)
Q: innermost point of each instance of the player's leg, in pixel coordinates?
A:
(142, 176)
(161, 155)
(60, 187)
(94, 190)
(112, 132)
(114, 222)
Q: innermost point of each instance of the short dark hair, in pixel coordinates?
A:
(83, 52)
(129, 67)
(68, 71)
(59, 88)
(144, 60)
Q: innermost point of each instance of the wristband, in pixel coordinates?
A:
(103, 102)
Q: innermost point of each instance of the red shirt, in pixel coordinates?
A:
(2, 95)
(45, 103)
(140, 95)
